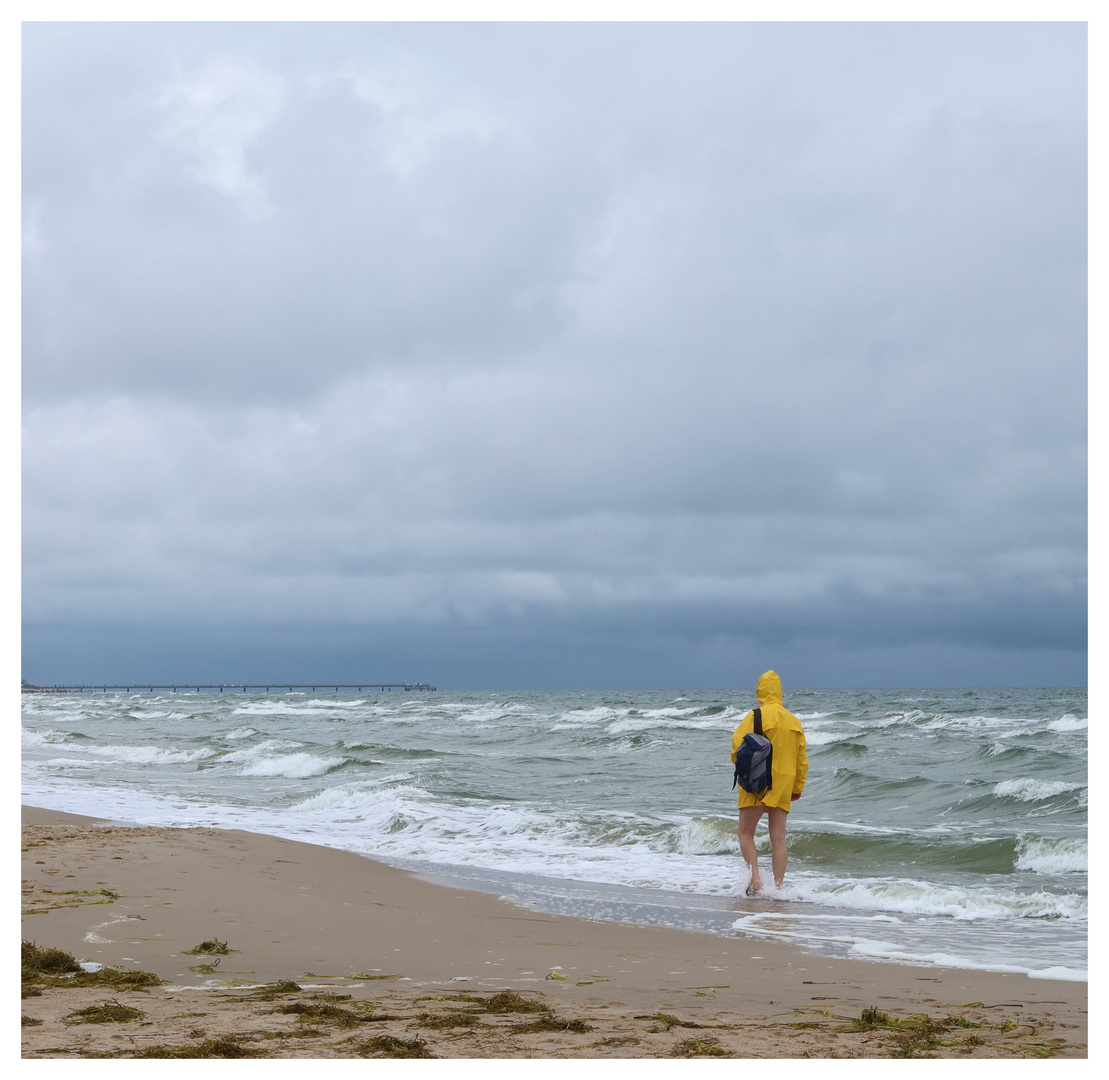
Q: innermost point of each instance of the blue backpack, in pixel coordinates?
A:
(753, 761)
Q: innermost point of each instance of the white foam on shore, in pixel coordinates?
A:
(884, 950)
(607, 794)
(929, 898)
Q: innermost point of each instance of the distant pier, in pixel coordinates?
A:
(234, 688)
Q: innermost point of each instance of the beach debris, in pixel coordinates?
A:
(558, 976)
(456, 1018)
(365, 976)
(37, 962)
(205, 969)
(961, 1021)
(214, 947)
(41, 901)
(110, 976)
(109, 1013)
(54, 967)
(699, 1048)
(321, 1012)
(552, 1023)
(872, 1017)
(913, 1036)
(666, 1022)
(508, 1001)
(271, 990)
(223, 1047)
(388, 1046)
(30, 1021)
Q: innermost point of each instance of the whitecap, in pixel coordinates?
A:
(147, 755)
(1068, 723)
(645, 723)
(707, 836)
(249, 753)
(293, 766)
(1052, 856)
(826, 738)
(1029, 790)
(46, 737)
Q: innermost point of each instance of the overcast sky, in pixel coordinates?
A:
(581, 355)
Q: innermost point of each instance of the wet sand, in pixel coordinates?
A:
(339, 923)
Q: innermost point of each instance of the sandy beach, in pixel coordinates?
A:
(334, 955)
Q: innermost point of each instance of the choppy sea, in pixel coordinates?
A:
(938, 826)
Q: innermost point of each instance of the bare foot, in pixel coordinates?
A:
(754, 887)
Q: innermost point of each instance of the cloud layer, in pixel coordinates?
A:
(719, 340)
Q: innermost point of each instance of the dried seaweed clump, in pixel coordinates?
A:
(508, 1001)
(53, 967)
(321, 1013)
(110, 1013)
(553, 1023)
(226, 1047)
(214, 947)
(455, 1018)
(666, 1022)
(38, 962)
(699, 1048)
(388, 1046)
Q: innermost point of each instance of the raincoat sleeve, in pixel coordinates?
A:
(746, 726)
(802, 767)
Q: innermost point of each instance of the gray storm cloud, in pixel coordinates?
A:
(679, 334)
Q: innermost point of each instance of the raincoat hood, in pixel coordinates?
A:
(769, 689)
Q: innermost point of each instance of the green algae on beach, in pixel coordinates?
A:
(112, 1013)
(56, 968)
(213, 947)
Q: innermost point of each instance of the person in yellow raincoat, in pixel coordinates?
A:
(790, 766)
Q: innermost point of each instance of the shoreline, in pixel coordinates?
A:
(290, 908)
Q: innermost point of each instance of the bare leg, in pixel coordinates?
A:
(748, 819)
(777, 819)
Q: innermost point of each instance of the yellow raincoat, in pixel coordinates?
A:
(783, 729)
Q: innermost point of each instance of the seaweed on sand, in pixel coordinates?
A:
(225, 1047)
(108, 1013)
(37, 962)
(111, 977)
(271, 990)
(913, 1035)
(213, 947)
(507, 1001)
(320, 1013)
(389, 1046)
(666, 1022)
(552, 1023)
(455, 1018)
(699, 1048)
(54, 967)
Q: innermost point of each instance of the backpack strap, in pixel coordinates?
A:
(758, 721)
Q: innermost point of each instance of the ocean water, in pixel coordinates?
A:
(937, 826)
